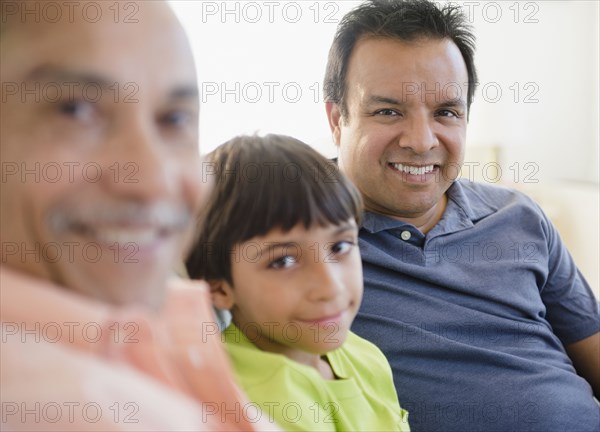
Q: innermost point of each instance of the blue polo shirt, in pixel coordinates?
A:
(473, 316)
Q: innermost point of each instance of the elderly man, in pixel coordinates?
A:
(100, 186)
(504, 337)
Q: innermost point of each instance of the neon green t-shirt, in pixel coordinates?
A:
(297, 398)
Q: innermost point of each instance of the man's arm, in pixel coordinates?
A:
(585, 356)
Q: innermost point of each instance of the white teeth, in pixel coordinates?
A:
(140, 237)
(413, 170)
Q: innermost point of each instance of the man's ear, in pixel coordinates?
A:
(221, 294)
(335, 121)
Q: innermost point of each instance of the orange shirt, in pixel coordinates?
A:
(74, 363)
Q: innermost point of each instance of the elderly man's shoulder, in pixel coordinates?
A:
(49, 386)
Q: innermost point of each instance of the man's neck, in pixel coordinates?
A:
(424, 222)
(431, 218)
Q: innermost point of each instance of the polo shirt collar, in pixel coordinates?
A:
(461, 213)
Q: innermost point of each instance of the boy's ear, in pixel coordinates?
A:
(221, 294)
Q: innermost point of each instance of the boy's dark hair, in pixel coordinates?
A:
(405, 20)
(262, 184)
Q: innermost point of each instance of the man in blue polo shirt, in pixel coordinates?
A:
(469, 291)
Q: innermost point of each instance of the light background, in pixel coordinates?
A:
(254, 56)
(535, 115)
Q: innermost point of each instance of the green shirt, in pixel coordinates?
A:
(296, 397)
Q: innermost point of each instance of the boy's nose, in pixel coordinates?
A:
(326, 282)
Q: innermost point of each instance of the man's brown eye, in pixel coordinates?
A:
(75, 108)
(386, 112)
(447, 113)
(176, 118)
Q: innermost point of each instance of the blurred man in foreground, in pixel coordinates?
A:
(100, 184)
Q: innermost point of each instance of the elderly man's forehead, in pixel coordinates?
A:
(15, 14)
(131, 41)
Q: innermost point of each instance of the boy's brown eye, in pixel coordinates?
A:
(283, 262)
(342, 247)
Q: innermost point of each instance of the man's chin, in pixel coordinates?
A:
(121, 287)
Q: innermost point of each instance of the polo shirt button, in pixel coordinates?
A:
(406, 235)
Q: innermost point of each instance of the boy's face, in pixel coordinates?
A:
(295, 292)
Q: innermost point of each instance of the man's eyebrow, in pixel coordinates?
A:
(61, 76)
(375, 100)
(448, 103)
(185, 92)
(49, 73)
(453, 103)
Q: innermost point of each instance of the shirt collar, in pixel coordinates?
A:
(465, 207)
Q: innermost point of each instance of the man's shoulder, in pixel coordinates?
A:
(491, 194)
(479, 201)
(42, 373)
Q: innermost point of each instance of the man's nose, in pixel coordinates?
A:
(418, 134)
(137, 163)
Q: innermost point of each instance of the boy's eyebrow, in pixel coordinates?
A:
(278, 245)
(340, 229)
(347, 226)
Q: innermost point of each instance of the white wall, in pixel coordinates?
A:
(288, 49)
(574, 208)
(555, 63)
(550, 49)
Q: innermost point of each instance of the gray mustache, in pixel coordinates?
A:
(162, 215)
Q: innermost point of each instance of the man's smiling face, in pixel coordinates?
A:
(402, 141)
(104, 177)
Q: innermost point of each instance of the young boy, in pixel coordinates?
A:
(279, 249)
